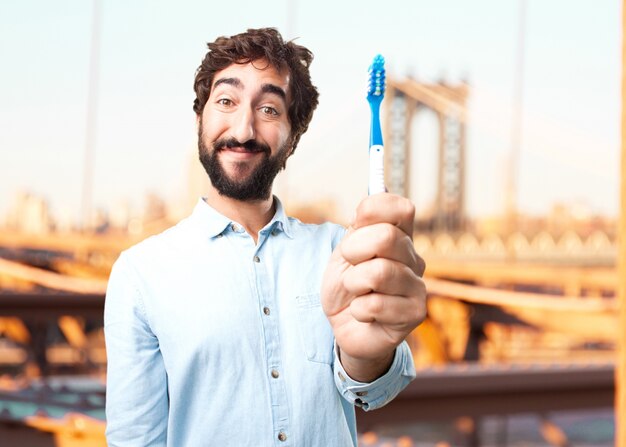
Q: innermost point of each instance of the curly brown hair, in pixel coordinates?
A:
(257, 44)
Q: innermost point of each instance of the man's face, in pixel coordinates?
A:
(244, 130)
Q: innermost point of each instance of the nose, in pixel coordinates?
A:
(242, 127)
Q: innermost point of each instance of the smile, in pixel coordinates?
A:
(242, 150)
(238, 153)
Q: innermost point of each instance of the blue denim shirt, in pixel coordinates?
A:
(215, 340)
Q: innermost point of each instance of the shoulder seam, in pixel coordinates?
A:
(140, 301)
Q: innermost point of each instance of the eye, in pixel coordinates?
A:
(269, 110)
(224, 102)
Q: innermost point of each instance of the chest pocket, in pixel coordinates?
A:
(316, 334)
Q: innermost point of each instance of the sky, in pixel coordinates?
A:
(145, 139)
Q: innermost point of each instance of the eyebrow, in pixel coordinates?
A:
(230, 81)
(276, 90)
(265, 88)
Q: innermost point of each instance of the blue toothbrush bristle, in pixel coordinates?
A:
(376, 84)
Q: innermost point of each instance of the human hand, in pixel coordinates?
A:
(372, 291)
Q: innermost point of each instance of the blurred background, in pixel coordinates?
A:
(501, 123)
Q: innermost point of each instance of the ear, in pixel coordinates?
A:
(292, 145)
(289, 154)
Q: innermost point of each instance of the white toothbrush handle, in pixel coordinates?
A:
(377, 170)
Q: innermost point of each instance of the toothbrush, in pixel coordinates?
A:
(375, 93)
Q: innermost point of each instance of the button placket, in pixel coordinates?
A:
(267, 298)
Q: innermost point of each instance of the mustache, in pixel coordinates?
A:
(250, 145)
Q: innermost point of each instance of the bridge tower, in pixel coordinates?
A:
(404, 99)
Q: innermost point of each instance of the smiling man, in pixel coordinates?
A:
(241, 326)
(247, 151)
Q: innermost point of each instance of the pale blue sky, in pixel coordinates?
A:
(150, 50)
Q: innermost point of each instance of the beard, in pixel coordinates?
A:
(256, 185)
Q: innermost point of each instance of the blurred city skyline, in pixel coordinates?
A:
(145, 129)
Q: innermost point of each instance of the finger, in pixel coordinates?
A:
(381, 241)
(397, 311)
(382, 276)
(386, 208)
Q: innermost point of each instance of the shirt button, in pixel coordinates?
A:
(341, 377)
(361, 393)
(274, 232)
(275, 374)
(282, 436)
(256, 259)
(266, 310)
(234, 227)
(358, 402)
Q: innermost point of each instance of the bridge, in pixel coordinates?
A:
(516, 322)
(481, 351)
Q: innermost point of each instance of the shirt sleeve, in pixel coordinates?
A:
(381, 391)
(136, 394)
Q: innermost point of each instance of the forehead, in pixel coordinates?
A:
(252, 75)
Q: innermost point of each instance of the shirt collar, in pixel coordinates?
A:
(280, 221)
(212, 223)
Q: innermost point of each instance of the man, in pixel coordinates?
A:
(241, 326)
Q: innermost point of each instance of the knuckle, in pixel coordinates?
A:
(386, 235)
(405, 319)
(375, 304)
(422, 311)
(408, 209)
(419, 290)
(417, 263)
(364, 209)
(381, 270)
(421, 265)
(410, 247)
(345, 250)
(419, 317)
(418, 313)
